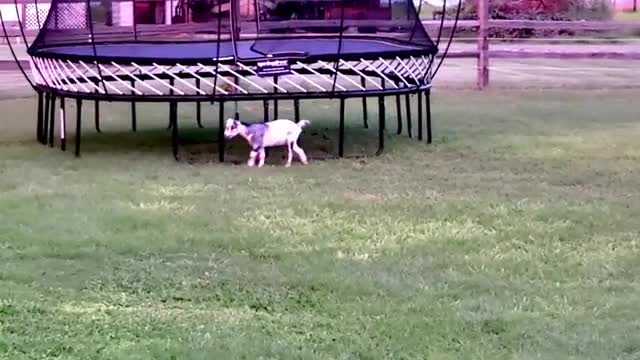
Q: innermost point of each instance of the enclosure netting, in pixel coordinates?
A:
(247, 28)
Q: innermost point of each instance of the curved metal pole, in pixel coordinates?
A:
(335, 75)
(437, 43)
(232, 19)
(39, 28)
(24, 37)
(13, 53)
(446, 50)
(93, 43)
(417, 21)
(215, 80)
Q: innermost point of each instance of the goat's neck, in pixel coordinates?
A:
(244, 132)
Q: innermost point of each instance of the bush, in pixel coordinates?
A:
(535, 10)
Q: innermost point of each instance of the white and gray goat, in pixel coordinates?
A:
(263, 135)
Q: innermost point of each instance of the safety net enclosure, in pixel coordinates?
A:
(234, 48)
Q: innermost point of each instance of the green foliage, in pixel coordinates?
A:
(568, 10)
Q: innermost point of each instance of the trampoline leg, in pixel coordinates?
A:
(419, 117)
(383, 83)
(381, 125)
(171, 83)
(173, 121)
(40, 117)
(221, 133)
(409, 120)
(265, 105)
(236, 115)
(45, 119)
(365, 115)
(399, 116)
(199, 108)
(275, 102)
(63, 126)
(52, 119)
(199, 114)
(341, 132)
(78, 125)
(428, 102)
(134, 121)
(96, 113)
(296, 110)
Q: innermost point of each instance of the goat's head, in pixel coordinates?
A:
(232, 128)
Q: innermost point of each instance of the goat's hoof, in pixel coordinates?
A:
(287, 165)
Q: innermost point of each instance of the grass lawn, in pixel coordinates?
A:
(513, 236)
(627, 15)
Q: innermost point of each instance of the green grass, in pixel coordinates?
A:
(627, 15)
(513, 236)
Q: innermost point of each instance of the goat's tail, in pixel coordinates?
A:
(303, 123)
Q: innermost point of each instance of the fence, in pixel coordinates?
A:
(483, 52)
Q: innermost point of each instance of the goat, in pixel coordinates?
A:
(262, 135)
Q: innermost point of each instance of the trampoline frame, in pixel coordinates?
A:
(65, 77)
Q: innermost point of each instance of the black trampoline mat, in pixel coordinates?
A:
(246, 49)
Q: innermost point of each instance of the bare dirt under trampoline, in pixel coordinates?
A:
(244, 49)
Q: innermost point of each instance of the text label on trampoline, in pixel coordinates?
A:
(273, 67)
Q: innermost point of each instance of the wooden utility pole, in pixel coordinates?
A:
(483, 44)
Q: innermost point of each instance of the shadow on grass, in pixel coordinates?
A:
(201, 145)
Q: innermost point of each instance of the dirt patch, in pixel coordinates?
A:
(318, 145)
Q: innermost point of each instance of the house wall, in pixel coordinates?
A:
(169, 10)
(122, 13)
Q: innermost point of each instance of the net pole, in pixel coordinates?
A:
(24, 37)
(215, 80)
(135, 23)
(234, 31)
(93, 45)
(438, 38)
(335, 74)
(417, 21)
(257, 15)
(453, 30)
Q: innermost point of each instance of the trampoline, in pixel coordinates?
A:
(247, 50)
(202, 52)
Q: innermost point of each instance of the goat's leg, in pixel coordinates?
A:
(298, 150)
(252, 158)
(289, 153)
(262, 155)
